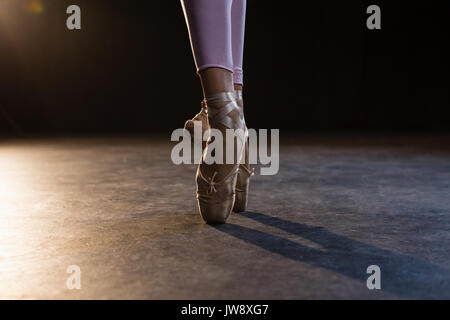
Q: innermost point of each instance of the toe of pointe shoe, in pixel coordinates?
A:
(215, 212)
(215, 199)
(240, 204)
(242, 186)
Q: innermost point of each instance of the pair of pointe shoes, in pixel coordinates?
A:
(222, 188)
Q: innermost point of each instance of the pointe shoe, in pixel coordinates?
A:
(216, 182)
(244, 171)
(202, 116)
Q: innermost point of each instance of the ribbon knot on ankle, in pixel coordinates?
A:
(250, 171)
(212, 183)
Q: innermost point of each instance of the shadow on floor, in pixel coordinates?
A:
(404, 276)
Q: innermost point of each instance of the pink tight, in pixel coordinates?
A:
(216, 30)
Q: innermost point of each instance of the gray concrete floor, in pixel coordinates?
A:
(122, 212)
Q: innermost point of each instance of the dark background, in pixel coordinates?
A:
(309, 66)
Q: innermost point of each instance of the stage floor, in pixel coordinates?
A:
(122, 212)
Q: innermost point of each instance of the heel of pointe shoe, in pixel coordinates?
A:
(189, 126)
(202, 117)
